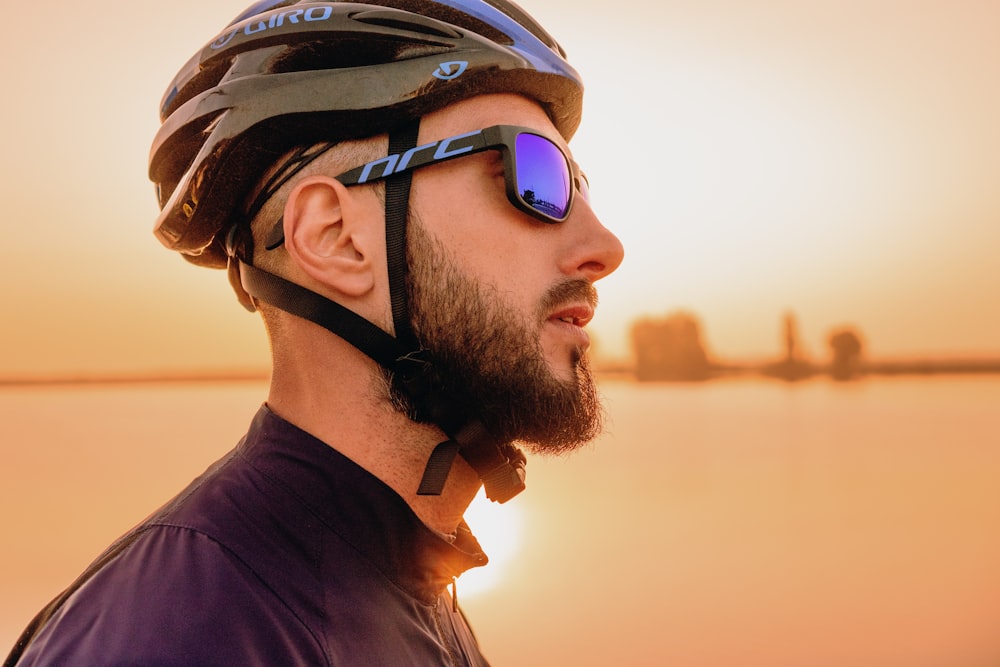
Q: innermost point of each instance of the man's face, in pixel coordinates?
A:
(491, 358)
(498, 297)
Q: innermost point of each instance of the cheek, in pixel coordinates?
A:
(472, 231)
(463, 203)
(485, 236)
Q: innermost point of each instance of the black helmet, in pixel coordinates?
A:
(287, 73)
(290, 74)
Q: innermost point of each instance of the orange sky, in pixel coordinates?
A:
(839, 159)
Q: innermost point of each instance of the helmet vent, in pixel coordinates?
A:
(527, 22)
(409, 22)
(357, 51)
(418, 9)
(208, 78)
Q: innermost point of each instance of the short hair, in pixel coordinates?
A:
(336, 160)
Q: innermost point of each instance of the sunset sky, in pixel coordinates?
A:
(837, 159)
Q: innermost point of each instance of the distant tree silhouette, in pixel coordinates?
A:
(669, 348)
(846, 348)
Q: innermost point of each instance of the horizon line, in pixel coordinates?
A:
(607, 366)
(137, 377)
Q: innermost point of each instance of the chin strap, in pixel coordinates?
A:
(503, 477)
(500, 465)
(344, 322)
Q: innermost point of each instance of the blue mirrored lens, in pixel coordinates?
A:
(543, 179)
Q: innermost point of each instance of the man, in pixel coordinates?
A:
(390, 187)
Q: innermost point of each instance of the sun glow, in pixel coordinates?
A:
(498, 529)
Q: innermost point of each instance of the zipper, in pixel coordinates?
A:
(453, 651)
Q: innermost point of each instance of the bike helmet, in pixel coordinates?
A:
(292, 73)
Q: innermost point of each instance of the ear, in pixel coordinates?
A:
(329, 234)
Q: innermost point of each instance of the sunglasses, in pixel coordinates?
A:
(541, 180)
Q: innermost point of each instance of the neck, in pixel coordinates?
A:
(337, 397)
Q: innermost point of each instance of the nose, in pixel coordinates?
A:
(594, 251)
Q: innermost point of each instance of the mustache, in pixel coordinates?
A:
(570, 291)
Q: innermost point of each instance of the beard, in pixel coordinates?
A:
(490, 361)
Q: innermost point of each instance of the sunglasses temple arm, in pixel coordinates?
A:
(421, 156)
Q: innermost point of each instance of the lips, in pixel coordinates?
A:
(577, 315)
(568, 308)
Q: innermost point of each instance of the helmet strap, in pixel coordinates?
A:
(500, 465)
(330, 315)
(397, 204)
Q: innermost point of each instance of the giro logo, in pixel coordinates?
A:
(275, 21)
(450, 70)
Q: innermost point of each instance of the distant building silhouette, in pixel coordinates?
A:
(669, 348)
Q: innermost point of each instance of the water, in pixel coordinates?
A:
(727, 524)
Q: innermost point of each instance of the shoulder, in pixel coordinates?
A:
(175, 596)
